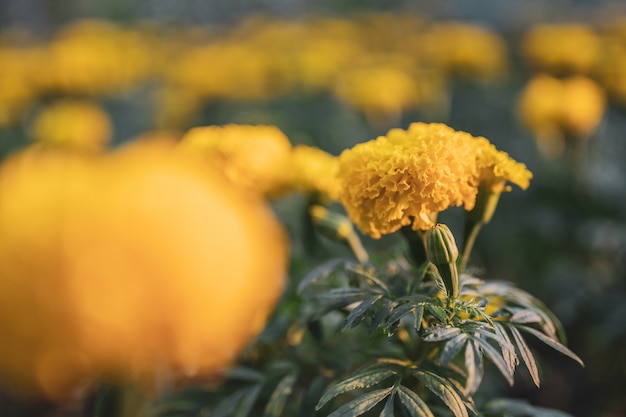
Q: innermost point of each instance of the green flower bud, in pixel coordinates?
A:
(442, 251)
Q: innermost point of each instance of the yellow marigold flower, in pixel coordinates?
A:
(497, 168)
(314, 171)
(552, 108)
(119, 265)
(403, 178)
(252, 157)
(465, 49)
(72, 124)
(409, 175)
(562, 48)
(381, 91)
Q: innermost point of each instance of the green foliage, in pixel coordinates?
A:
(385, 340)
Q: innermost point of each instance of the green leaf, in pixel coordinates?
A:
(474, 366)
(245, 374)
(413, 403)
(398, 312)
(554, 344)
(322, 271)
(525, 316)
(518, 408)
(508, 350)
(362, 404)
(437, 311)
(388, 410)
(380, 316)
(496, 358)
(278, 399)
(361, 380)
(452, 348)
(358, 313)
(444, 390)
(527, 355)
(417, 319)
(238, 404)
(371, 279)
(439, 333)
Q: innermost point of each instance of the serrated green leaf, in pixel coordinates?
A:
(452, 348)
(381, 315)
(444, 390)
(508, 350)
(417, 318)
(398, 312)
(440, 333)
(437, 311)
(322, 271)
(388, 410)
(554, 344)
(364, 379)
(358, 313)
(474, 366)
(362, 404)
(247, 403)
(496, 358)
(525, 316)
(527, 355)
(413, 403)
(278, 399)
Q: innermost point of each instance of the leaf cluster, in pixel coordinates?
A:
(385, 340)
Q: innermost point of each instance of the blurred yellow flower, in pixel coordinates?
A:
(465, 49)
(95, 57)
(17, 90)
(72, 124)
(313, 170)
(252, 157)
(128, 264)
(571, 48)
(553, 108)
(381, 91)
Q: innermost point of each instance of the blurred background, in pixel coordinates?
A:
(544, 81)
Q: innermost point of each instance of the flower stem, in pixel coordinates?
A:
(471, 231)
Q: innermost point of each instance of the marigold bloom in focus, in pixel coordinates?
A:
(124, 264)
(73, 124)
(252, 157)
(313, 170)
(409, 175)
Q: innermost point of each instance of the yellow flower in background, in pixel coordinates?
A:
(72, 124)
(405, 177)
(571, 48)
(554, 108)
(381, 91)
(464, 49)
(17, 90)
(127, 265)
(95, 57)
(313, 170)
(253, 157)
